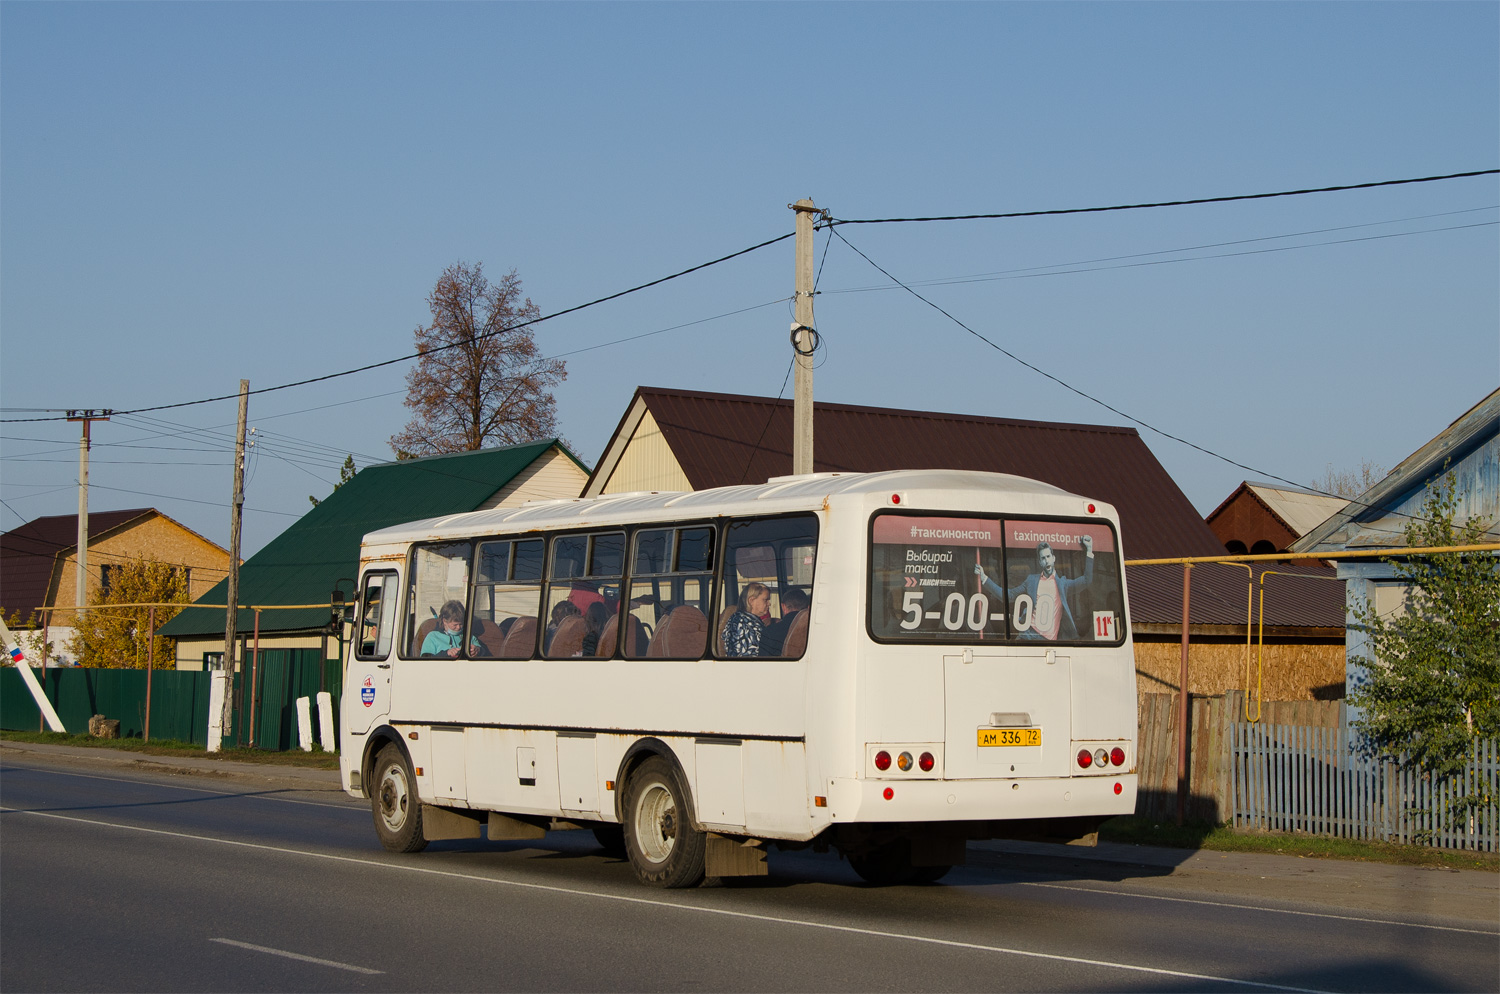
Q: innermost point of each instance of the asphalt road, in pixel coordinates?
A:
(131, 876)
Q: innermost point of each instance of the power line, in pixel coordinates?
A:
(1164, 203)
(414, 355)
(1089, 397)
(191, 500)
(1065, 268)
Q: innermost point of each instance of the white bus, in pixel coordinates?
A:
(889, 664)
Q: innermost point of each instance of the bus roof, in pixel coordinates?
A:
(779, 494)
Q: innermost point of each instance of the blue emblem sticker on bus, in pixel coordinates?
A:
(367, 692)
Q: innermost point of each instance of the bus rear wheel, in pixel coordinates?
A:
(663, 847)
(891, 864)
(394, 803)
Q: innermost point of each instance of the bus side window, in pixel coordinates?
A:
(507, 590)
(377, 616)
(671, 579)
(768, 580)
(583, 594)
(439, 574)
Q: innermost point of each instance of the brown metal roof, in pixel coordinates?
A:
(28, 553)
(725, 439)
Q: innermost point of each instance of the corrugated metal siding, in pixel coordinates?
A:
(722, 440)
(551, 477)
(647, 463)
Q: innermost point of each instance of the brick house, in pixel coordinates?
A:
(39, 563)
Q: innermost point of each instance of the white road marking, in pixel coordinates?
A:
(1089, 890)
(724, 912)
(298, 956)
(1253, 907)
(201, 790)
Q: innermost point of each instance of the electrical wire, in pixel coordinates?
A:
(191, 500)
(756, 447)
(1089, 397)
(832, 221)
(442, 348)
(1068, 268)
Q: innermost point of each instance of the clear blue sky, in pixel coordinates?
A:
(195, 193)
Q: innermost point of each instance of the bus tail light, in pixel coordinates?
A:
(925, 762)
(1101, 757)
(1085, 758)
(903, 762)
(1118, 788)
(1117, 756)
(882, 760)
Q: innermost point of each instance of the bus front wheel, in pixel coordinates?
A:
(663, 847)
(394, 803)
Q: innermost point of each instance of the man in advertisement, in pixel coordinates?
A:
(1051, 617)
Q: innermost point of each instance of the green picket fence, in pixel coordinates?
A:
(179, 699)
(283, 675)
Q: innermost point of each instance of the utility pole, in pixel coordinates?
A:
(232, 599)
(804, 341)
(81, 589)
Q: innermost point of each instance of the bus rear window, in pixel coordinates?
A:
(972, 579)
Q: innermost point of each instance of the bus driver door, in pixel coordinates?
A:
(367, 687)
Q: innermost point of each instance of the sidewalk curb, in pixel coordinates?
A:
(315, 779)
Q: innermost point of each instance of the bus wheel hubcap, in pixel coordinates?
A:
(656, 823)
(393, 799)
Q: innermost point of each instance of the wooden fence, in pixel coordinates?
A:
(1292, 771)
(1210, 722)
(1287, 778)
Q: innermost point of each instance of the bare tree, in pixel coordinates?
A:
(479, 380)
(1349, 483)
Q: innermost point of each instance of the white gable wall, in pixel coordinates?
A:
(552, 476)
(647, 463)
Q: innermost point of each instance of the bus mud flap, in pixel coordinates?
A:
(725, 856)
(442, 823)
(505, 828)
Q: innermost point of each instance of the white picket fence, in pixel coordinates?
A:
(1289, 778)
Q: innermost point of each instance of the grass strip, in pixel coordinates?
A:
(317, 759)
(1218, 838)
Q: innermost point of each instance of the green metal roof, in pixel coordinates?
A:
(303, 563)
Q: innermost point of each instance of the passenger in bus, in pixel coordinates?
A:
(560, 611)
(447, 639)
(773, 642)
(596, 617)
(744, 629)
(1051, 616)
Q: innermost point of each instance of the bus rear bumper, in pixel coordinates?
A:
(855, 800)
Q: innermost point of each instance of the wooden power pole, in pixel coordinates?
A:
(804, 341)
(232, 595)
(81, 589)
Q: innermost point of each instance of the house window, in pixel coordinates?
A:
(106, 579)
